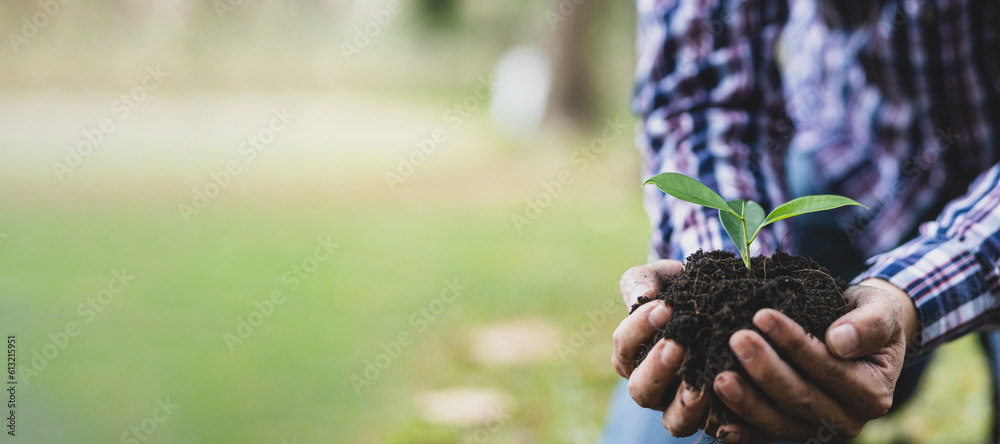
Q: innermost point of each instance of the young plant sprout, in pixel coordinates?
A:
(741, 218)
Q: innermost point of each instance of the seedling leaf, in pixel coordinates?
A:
(735, 228)
(808, 204)
(737, 206)
(754, 217)
(688, 189)
(740, 218)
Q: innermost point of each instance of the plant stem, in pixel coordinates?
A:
(746, 251)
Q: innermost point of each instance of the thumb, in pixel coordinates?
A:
(647, 280)
(865, 329)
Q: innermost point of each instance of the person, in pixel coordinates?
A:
(894, 103)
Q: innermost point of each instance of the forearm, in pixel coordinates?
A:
(950, 271)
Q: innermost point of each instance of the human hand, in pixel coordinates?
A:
(835, 388)
(654, 383)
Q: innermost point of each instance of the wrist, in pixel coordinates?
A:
(908, 311)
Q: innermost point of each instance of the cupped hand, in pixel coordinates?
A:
(803, 388)
(654, 383)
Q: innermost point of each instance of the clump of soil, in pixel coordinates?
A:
(716, 295)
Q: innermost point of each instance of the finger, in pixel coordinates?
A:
(783, 385)
(747, 402)
(865, 329)
(634, 332)
(653, 382)
(647, 280)
(861, 386)
(687, 411)
(739, 432)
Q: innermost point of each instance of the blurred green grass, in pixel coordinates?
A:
(162, 336)
(952, 405)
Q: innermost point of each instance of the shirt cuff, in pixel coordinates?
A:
(949, 282)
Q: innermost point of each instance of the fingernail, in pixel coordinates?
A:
(744, 348)
(692, 396)
(639, 290)
(729, 389)
(844, 340)
(765, 322)
(668, 354)
(729, 436)
(659, 315)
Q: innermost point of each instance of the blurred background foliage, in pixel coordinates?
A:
(431, 46)
(537, 287)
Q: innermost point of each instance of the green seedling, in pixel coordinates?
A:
(740, 218)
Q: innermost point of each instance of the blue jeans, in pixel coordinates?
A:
(627, 423)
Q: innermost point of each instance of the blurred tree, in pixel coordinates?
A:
(438, 13)
(571, 100)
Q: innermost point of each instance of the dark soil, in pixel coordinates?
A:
(715, 296)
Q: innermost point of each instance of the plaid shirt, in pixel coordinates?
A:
(895, 106)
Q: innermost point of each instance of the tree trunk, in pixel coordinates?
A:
(571, 97)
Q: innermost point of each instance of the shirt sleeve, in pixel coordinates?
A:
(709, 98)
(950, 270)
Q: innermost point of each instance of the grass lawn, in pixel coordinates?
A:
(161, 337)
